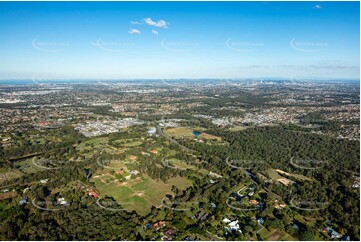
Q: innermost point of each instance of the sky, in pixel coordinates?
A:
(150, 40)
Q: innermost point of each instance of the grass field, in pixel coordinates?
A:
(237, 128)
(297, 176)
(180, 164)
(203, 171)
(275, 235)
(9, 175)
(115, 165)
(187, 132)
(273, 174)
(287, 237)
(139, 194)
(127, 142)
(89, 147)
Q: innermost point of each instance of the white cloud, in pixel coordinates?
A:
(317, 6)
(155, 32)
(135, 22)
(160, 24)
(134, 31)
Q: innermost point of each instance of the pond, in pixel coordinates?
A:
(196, 133)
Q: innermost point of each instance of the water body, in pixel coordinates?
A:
(196, 133)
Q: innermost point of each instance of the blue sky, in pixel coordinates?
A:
(129, 40)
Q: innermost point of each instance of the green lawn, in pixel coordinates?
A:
(139, 194)
(274, 175)
(187, 132)
(181, 164)
(127, 142)
(297, 176)
(237, 128)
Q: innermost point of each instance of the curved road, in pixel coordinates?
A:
(161, 133)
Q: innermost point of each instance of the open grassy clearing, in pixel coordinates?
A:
(180, 132)
(9, 175)
(115, 165)
(237, 128)
(274, 175)
(287, 237)
(180, 164)
(171, 153)
(275, 235)
(297, 176)
(187, 132)
(203, 171)
(264, 233)
(138, 194)
(91, 146)
(127, 142)
(27, 166)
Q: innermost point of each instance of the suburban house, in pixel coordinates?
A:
(202, 216)
(278, 205)
(260, 220)
(333, 233)
(283, 205)
(133, 158)
(23, 201)
(44, 181)
(93, 194)
(226, 220)
(169, 234)
(158, 225)
(134, 172)
(152, 131)
(253, 202)
(145, 153)
(154, 151)
(232, 225)
(119, 172)
(62, 201)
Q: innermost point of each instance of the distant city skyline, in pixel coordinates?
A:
(172, 40)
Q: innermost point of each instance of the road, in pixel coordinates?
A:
(161, 133)
(253, 178)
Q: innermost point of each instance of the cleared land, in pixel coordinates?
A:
(127, 142)
(179, 164)
(274, 175)
(7, 195)
(297, 176)
(90, 147)
(138, 194)
(187, 132)
(237, 128)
